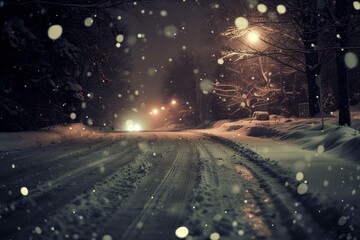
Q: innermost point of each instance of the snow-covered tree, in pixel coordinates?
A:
(48, 78)
(296, 34)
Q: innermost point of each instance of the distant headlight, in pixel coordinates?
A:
(131, 126)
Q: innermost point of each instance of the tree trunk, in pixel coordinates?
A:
(343, 88)
(313, 91)
(313, 66)
(342, 76)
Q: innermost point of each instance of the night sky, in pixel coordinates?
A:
(155, 51)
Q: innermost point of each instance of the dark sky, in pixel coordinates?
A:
(154, 50)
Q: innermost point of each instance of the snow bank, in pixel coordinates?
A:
(308, 133)
(325, 213)
(261, 131)
(342, 141)
(172, 127)
(327, 159)
(11, 141)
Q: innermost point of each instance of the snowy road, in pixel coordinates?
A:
(146, 186)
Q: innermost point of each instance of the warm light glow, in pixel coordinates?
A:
(131, 126)
(155, 111)
(163, 108)
(137, 127)
(173, 102)
(253, 37)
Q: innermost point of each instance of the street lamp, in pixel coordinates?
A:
(155, 111)
(253, 37)
(173, 102)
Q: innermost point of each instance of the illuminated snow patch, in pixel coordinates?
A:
(141, 35)
(73, 116)
(262, 8)
(143, 146)
(241, 23)
(90, 122)
(326, 183)
(215, 236)
(151, 71)
(88, 22)
(302, 188)
(106, 237)
(320, 149)
(206, 86)
(299, 176)
(281, 9)
(351, 60)
(24, 191)
(38, 230)
(356, 5)
(170, 31)
(215, 6)
(182, 232)
(131, 40)
(120, 38)
(55, 32)
(235, 189)
(342, 220)
(163, 13)
(220, 61)
(308, 157)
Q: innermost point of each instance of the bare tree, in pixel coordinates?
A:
(299, 37)
(248, 87)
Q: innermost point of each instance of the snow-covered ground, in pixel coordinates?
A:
(328, 161)
(12, 141)
(277, 179)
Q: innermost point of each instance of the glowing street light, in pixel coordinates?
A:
(173, 102)
(253, 37)
(155, 111)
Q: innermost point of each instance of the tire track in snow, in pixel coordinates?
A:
(298, 213)
(92, 209)
(216, 209)
(254, 205)
(42, 167)
(49, 198)
(158, 216)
